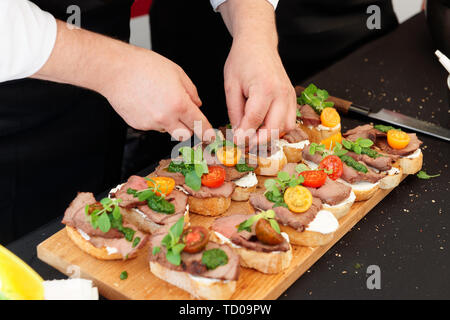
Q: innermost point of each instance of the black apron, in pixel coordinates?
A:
(312, 35)
(57, 139)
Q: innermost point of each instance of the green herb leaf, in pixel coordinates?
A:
(243, 167)
(124, 275)
(315, 97)
(384, 128)
(213, 258)
(104, 224)
(156, 250)
(136, 241)
(423, 175)
(299, 115)
(353, 163)
(274, 225)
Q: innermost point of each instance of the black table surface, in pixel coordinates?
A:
(408, 233)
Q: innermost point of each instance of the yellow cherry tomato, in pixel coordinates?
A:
(161, 185)
(229, 156)
(397, 139)
(330, 142)
(298, 199)
(330, 117)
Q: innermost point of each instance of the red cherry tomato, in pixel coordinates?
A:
(334, 164)
(195, 238)
(313, 178)
(214, 178)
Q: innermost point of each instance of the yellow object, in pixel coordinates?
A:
(330, 142)
(164, 185)
(298, 199)
(397, 139)
(330, 117)
(17, 280)
(229, 156)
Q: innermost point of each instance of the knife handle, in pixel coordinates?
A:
(340, 104)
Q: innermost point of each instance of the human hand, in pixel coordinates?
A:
(258, 91)
(151, 92)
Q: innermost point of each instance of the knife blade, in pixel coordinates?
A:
(390, 117)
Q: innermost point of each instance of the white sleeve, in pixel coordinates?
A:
(217, 3)
(27, 38)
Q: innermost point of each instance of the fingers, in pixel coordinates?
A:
(196, 121)
(236, 103)
(179, 131)
(256, 109)
(190, 88)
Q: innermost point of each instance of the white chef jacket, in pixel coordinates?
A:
(28, 35)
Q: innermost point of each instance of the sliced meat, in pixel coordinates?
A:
(227, 226)
(366, 131)
(309, 116)
(75, 217)
(331, 192)
(161, 171)
(225, 190)
(232, 173)
(290, 168)
(297, 221)
(351, 175)
(122, 245)
(380, 163)
(191, 263)
(178, 199)
(413, 145)
(129, 200)
(295, 136)
(264, 150)
(316, 157)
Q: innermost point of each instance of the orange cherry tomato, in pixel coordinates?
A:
(214, 178)
(228, 155)
(161, 185)
(332, 163)
(314, 178)
(330, 117)
(397, 139)
(330, 142)
(298, 199)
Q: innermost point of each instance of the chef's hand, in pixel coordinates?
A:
(258, 91)
(148, 91)
(153, 93)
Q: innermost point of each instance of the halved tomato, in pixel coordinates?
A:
(314, 178)
(214, 178)
(332, 163)
(195, 239)
(229, 156)
(330, 117)
(397, 139)
(161, 185)
(298, 199)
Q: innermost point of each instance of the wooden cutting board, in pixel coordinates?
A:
(60, 252)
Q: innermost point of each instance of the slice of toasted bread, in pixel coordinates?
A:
(241, 193)
(89, 248)
(411, 165)
(265, 262)
(209, 206)
(269, 166)
(307, 238)
(316, 135)
(199, 287)
(393, 178)
(293, 154)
